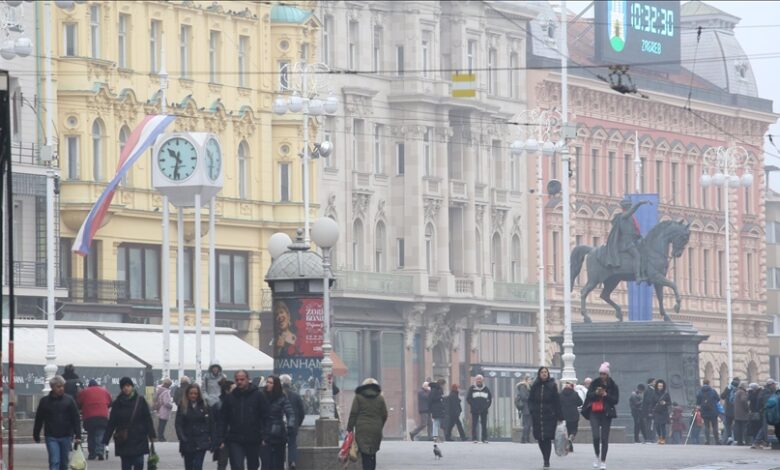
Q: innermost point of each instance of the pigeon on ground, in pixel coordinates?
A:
(436, 452)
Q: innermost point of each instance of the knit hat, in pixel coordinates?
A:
(370, 381)
(125, 381)
(93, 383)
(604, 369)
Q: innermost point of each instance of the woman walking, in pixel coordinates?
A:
(570, 408)
(277, 430)
(367, 418)
(437, 409)
(545, 405)
(130, 423)
(454, 410)
(599, 408)
(661, 411)
(193, 428)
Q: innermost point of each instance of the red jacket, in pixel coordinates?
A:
(94, 402)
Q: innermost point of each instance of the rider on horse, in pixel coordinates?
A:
(623, 238)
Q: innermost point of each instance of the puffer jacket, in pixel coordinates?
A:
(276, 429)
(139, 426)
(244, 413)
(741, 405)
(193, 427)
(367, 418)
(545, 404)
(436, 401)
(211, 388)
(570, 404)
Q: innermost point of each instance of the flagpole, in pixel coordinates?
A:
(166, 221)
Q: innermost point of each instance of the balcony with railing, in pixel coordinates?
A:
(515, 292)
(458, 191)
(481, 192)
(97, 291)
(28, 153)
(500, 198)
(361, 181)
(29, 274)
(357, 282)
(464, 286)
(432, 186)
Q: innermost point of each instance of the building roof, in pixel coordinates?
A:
(295, 264)
(289, 14)
(699, 8)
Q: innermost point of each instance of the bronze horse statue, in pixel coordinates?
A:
(654, 250)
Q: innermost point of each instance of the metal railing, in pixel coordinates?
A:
(516, 292)
(29, 274)
(374, 283)
(26, 153)
(96, 291)
(464, 286)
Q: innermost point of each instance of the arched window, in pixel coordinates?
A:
(97, 150)
(357, 245)
(478, 250)
(709, 373)
(243, 170)
(724, 376)
(124, 134)
(380, 248)
(496, 266)
(430, 247)
(516, 258)
(752, 372)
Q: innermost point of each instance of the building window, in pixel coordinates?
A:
(380, 241)
(706, 272)
(610, 172)
(399, 61)
(578, 168)
(555, 260)
(327, 31)
(674, 182)
(594, 170)
(213, 56)
(516, 266)
(284, 182)
(430, 248)
(243, 170)
(357, 245)
(747, 200)
(721, 271)
(627, 173)
(358, 134)
(492, 73)
(689, 184)
(496, 257)
(704, 197)
(428, 152)
(471, 55)
(232, 278)
(399, 158)
(185, 37)
(379, 165)
(773, 282)
(513, 73)
(304, 55)
(376, 57)
(400, 252)
(94, 30)
(719, 197)
(498, 170)
(478, 250)
(155, 32)
(124, 134)
(749, 271)
(243, 48)
(354, 40)
(773, 232)
(70, 39)
(514, 170)
(122, 41)
(98, 155)
(284, 75)
(189, 274)
(690, 270)
(139, 267)
(425, 53)
(72, 142)
(659, 174)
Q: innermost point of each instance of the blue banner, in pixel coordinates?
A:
(640, 298)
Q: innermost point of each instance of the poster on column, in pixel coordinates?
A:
(298, 335)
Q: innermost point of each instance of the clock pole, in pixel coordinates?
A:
(196, 291)
(212, 285)
(180, 286)
(165, 296)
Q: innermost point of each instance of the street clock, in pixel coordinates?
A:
(187, 164)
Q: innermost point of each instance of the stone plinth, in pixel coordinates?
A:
(319, 458)
(327, 432)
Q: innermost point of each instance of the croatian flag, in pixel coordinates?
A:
(139, 141)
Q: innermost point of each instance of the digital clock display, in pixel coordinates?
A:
(638, 32)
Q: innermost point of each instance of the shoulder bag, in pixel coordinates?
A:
(121, 435)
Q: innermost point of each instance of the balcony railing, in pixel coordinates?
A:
(515, 292)
(361, 180)
(500, 197)
(458, 190)
(26, 153)
(480, 192)
(374, 283)
(464, 286)
(97, 291)
(29, 274)
(431, 186)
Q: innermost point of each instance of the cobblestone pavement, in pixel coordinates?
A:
(495, 456)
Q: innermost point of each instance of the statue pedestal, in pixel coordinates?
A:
(637, 351)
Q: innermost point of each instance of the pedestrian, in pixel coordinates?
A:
(582, 389)
(661, 411)
(678, 426)
(58, 415)
(193, 428)
(454, 410)
(130, 424)
(94, 402)
(570, 409)
(728, 396)
(741, 413)
(243, 417)
(221, 455)
(754, 417)
(211, 387)
(281, 423)
(707, 402)
(297, 404)
(73, 383)
(698, 423)
(177, 391)
(424, 412)
(635, 403)
(163, 406)
(479, 399)
(648, 405)
(545, 405)
(523, 390)
(367, 419)
(436, 407)
(600, 408)
(761, 439)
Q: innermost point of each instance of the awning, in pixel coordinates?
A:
(339, 368)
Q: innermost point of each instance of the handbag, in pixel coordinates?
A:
(121, 435)
(346, 447)
(353, 452)
(597, 406)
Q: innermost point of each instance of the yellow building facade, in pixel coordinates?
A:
(222, 60)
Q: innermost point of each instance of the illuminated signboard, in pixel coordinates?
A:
(638, 32)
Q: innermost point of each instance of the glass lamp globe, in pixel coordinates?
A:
(278, 244)
(325, 149)
(747, 179)
(532, 145)
(331, 104)
(280, 105)
(296, 104)
(7, 50)
(23, 46)
(706, 180)
(517, 147)
(718, 179)
(316, 107)
(65, 4)
(548, 148)
(325, 232)
(734, 181)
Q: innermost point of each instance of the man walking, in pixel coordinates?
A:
(94, 402)
(648, 407)
(297, 404)
(423, 408)
(635, 402)
(521, 403)
(707, 404)
(728, 396)
(479, 399)
(244, 415)
(58, 415)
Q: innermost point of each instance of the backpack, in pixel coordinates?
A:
(707, 404)
(732, 394)
(772, 410)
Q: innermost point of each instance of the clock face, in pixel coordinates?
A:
(213, 159)
(177, 159)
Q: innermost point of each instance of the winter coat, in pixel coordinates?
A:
(367, 418)
(297, 404)
(244, 414)
(754, 400)
(677, 419)
(58, 416)
(73, 383)
(163, 402)
(94, 402)
(648, 401)
(193, 427)
(422, 401)
(707, 400)
(139, 431)
(741, 406)
(281, 420)
(663, 404)
(545, 404)
(570, 404)
(211, 388)
(635, 403)
(454, 408)
(521, 399)
(728, 404)
(479, 399)
(436, 401)
(610, 400)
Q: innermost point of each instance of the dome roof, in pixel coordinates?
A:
(289, 14)
(295, 264)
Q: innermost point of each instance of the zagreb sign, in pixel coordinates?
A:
(638, 32)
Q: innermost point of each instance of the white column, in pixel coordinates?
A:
(196, 291)
(306, 234)
(729, 329)
(327, 405)
(212, 283)
(540, 236)
(180, 287)
(165, 294)
(51, 271)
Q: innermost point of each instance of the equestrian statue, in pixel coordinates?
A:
(627, 256)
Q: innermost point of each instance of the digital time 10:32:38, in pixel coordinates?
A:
(651, 19)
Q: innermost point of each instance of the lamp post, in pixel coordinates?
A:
(545, 126)
(325, 233)
(725, 163)
(305, 82)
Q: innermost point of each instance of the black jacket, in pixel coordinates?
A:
(244, 413)
(661, 410)
(521, 399)
(707, 400)
(193, 428)
(59, 417)
(635, 403)
(545, 404)
(570, 404)
(297, 403)
(138, 432)
(422, 401)
(648, 401)
(276, 430)
(610, 401)
(436, 401)
(454, 408)
(479, 399)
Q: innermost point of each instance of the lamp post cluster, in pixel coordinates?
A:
(727, 167)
